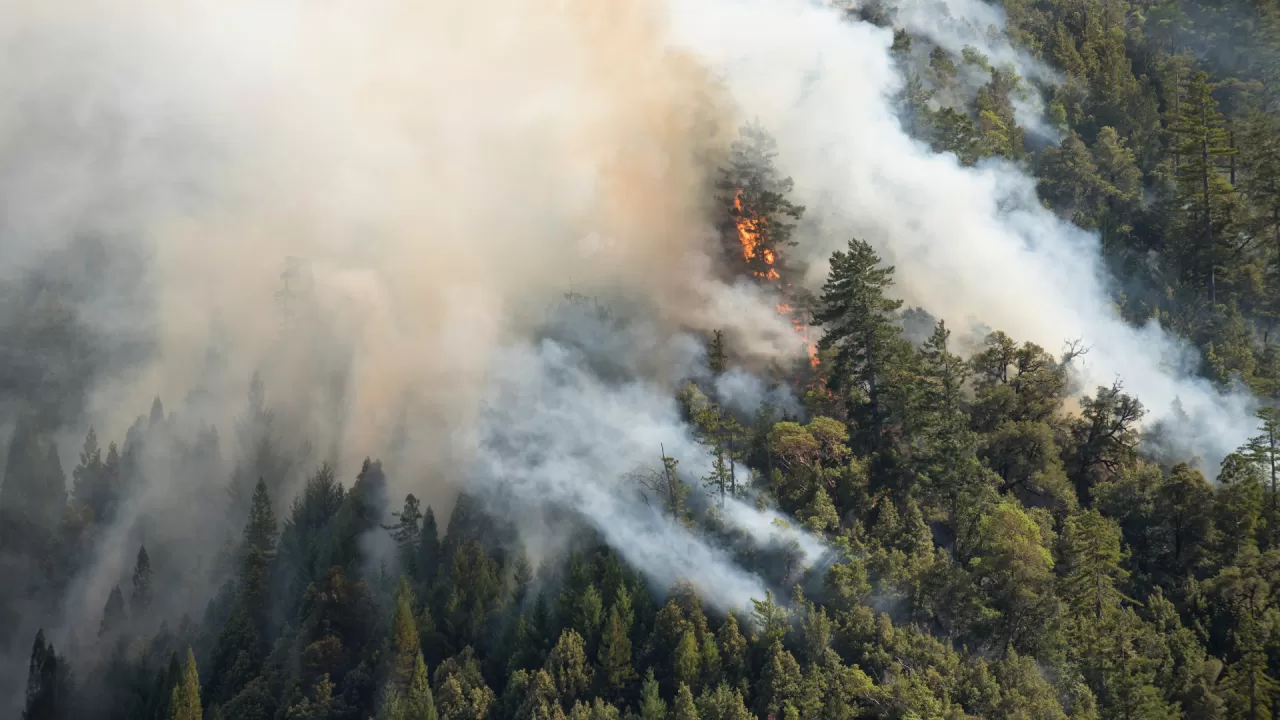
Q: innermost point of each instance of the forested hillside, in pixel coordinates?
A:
(993, 540)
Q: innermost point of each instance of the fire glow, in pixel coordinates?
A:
(749, 237)
(748, 228)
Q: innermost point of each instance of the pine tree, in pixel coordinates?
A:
(90, 489)
(614, 655)
(757, 222)
(113, 615)
(44, 695)
(140, 600)
(1202, 143)
(652, 707)
(429, 548)
(391, 705)
(1093, 560)
(684, 708)
(687, 661)
(420, 704)
(1260, 162)
(185, 701)
(733, 650)
(860, 324)
(408, 535)
(717, 361)
(1264, 450)
(405, 648)
(567, 665)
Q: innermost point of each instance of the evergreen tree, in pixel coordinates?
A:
(114, 615)
(141, 599)
(684, 708)
(44, 694)
(1093, 559)
(405, 648)
(1201, 144)
(859, 323)
(420, 704)
(757, 224)
(185, 702)
(652, 707)
(614, 655)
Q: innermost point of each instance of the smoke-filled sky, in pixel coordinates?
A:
(442, 169)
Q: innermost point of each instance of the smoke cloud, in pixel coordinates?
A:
(369, 203)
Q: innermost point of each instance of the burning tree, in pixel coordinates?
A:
(759, 222)
(758, 214)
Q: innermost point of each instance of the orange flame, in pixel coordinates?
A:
(749, 236)
(748, 231)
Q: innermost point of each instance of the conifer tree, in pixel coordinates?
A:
(858, 320)
(758, 218)
(684, 708)
(114, 614)
(405, 648)
(408, 535)
(185, 701)
(687, 661)
(614, 655)
(652, 706)
(1093, 564)
(429, 548)
(568, 668)
(419, 702)
(1202, 143)
(140, 600)
(44, 694)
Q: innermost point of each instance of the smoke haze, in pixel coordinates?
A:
(370, 204)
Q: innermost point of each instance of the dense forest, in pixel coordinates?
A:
(999, 543)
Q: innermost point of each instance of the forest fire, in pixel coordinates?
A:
(749, 236)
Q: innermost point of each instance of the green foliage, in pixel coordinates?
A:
(185, 703)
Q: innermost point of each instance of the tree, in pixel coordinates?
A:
(185, 702)
(1093, 557)
(859, 323)
(113, 615)
(141, 599)
(652, 706)
(33, 494)
(757, 221)
(94, 485)
(687, 661)
(1106, 434)
(408, 535)
(243, 642)
(1201, 144)
(665, 488)
(405, 650)
(614, 655)
(419, 703)
(567, 666)
(684, 708)
(1014, 568)
(44, 697)
(1260, 162)
(717, 360)
(1264, 450)
(429, 548)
